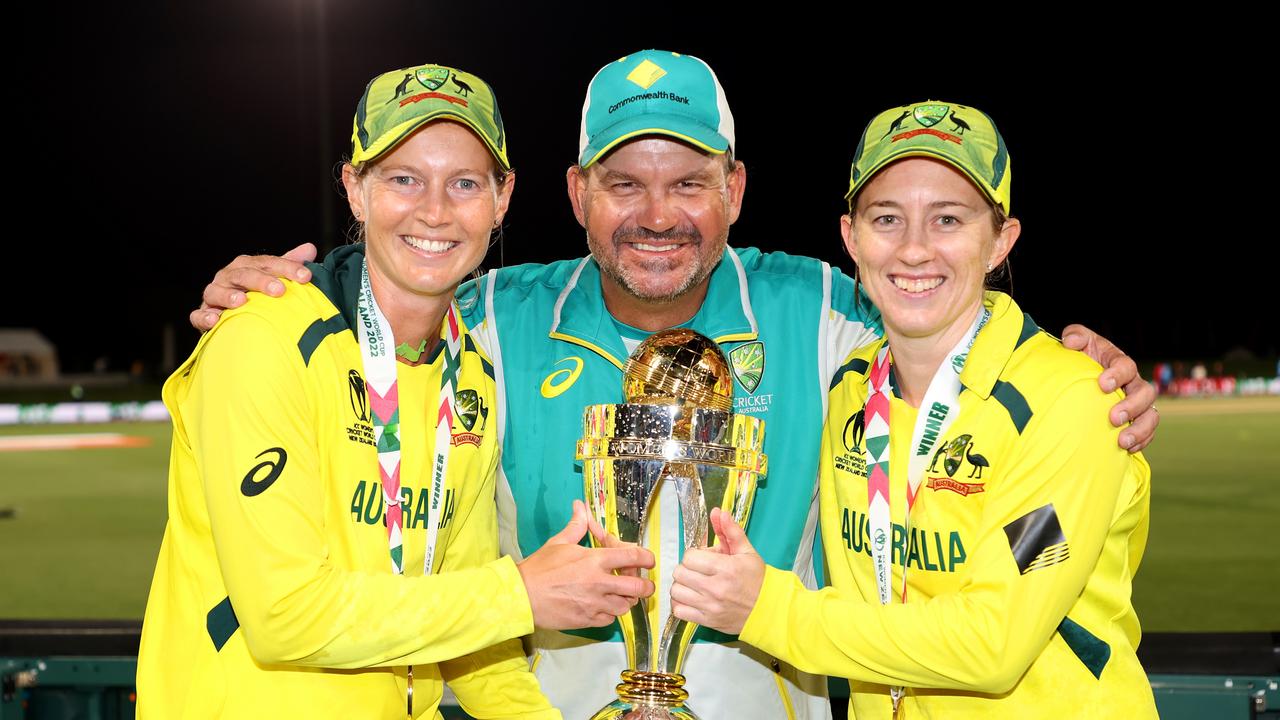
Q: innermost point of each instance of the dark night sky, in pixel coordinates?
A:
(168, 139)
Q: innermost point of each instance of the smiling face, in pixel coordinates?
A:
(428, 209)
(923, 238)
(657, 214)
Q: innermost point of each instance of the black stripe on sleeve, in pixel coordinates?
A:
(1036, 540)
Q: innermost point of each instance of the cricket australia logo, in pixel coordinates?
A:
(748, 364)
(953, 454)
(468, 408)
(929, 115)
(432, 78)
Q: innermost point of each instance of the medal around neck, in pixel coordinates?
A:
(675, 433)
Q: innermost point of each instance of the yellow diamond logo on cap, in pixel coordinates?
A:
(646, 74)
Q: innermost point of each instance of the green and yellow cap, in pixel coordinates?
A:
(959, 135)
(398, 102)
(654, 92)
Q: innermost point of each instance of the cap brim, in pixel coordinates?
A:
(925, 152)
(441, 114)
(681, 128)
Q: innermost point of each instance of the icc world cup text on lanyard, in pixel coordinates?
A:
(376, 348)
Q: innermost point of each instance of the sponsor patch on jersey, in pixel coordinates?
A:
(1036, 540)
(563, 379)
(360, 430)
(264, 474)
(852, 460)
(472, 414)
(359, 396)
(955, 453)
(748, 364)
(962, 489)
(753, 404)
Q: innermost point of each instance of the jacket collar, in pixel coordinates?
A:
(580, 316)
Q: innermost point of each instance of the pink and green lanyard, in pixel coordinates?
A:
(940, 407)
(377, 351)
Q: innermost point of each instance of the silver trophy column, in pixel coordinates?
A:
(676, 428)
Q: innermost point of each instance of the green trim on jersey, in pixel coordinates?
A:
(983, 618)
(316, 333)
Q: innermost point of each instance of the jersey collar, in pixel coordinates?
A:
(994, 346)
(338, 277)
(580, 316)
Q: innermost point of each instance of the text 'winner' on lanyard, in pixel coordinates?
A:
(377, 351)
(940, 407)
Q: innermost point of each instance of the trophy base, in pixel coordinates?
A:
(648, 696)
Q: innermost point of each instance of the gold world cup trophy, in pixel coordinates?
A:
(675, 433)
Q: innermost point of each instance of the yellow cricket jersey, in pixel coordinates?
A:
(274, 594)
(1019, 555)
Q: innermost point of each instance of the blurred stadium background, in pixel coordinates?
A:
(83, 507)
(172, 136)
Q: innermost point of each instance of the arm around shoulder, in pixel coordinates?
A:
(252, 419)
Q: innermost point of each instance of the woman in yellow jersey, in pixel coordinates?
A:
(331, 548)
(980, 523)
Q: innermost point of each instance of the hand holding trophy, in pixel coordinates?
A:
(676, 431)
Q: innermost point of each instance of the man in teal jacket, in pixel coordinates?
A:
(656, 188)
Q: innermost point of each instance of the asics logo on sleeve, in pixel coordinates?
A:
(562, 379)
(253, 484)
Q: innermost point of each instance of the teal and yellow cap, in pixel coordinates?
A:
(398, 102)
(654, 92)
(959, 135)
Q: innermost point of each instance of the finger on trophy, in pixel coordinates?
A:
(699, 563)
(606, 539)
(732, 538)
(630, 561)
(688, 613)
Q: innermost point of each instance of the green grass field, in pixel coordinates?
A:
(1215, 472)
(86, 524)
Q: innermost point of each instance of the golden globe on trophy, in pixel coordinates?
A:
(676, 432)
